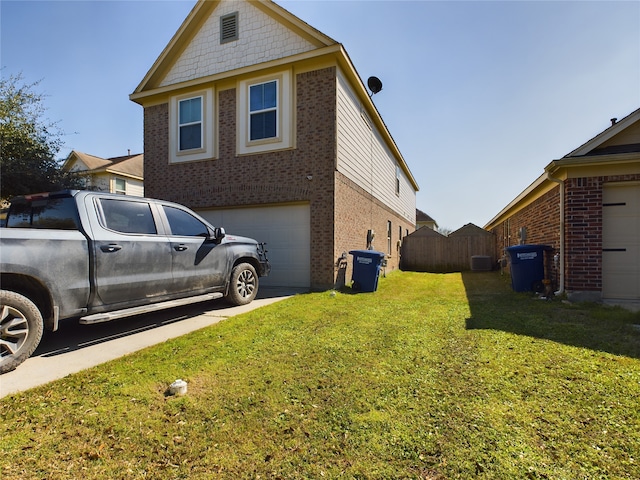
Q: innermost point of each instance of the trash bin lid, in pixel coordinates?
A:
(367, 253)
(527, 248)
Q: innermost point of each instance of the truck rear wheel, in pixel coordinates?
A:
(243, 286)
(21, 328)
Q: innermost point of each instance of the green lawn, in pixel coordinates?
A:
(432, 377)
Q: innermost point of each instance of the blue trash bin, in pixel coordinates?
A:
(366, 269)
(527, 266)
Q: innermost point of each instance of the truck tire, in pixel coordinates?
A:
(21, 328)
(243, 286)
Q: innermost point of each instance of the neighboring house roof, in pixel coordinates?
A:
(302, 43)
(598, 145)
(422, 217)
(616, 149)
(127, 166)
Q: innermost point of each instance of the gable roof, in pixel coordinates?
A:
(315, 45)
(91, 161)
(594, 146)
(422, 217)
(193, 24)
(617, 147)
(127, 165)
(619, 144)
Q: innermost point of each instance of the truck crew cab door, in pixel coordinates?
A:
(132, 260)
(200, 262)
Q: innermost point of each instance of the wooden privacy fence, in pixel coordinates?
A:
(426, 250)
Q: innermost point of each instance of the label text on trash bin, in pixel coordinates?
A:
(527, 255)
(366, 260)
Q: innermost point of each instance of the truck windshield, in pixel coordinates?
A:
(46, 213)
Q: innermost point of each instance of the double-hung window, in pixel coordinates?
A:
(263, 111)
(190, 124)
(120, 186)
(192, 136)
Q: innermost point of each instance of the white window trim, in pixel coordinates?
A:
(208, 128)
(284, 121)
(115, 185)
(199, 122)
(277, 109)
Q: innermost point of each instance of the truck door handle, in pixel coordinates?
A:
(180, 248)
(112, 247)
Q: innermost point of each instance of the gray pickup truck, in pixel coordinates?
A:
(97, 257)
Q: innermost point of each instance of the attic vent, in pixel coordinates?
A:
(229, 27)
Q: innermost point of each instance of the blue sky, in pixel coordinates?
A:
(479, 95)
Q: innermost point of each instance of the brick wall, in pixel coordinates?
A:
(583, 230)
(583, 237)
(341, 212)
(315, 155)
(541, 219)
(229, 180)
(357, 211)
(583, 242)
(266, 178)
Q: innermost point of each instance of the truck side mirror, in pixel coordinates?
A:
(219, 234)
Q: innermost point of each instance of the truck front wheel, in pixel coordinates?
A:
(21, 329)
(243, 286)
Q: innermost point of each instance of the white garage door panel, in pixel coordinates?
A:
(621, 241)
(286, 231)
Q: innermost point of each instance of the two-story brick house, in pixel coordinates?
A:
(586, 205)
(261, 124)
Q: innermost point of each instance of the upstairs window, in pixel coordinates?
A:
(263, 111)
(190, 124)
(192, 136)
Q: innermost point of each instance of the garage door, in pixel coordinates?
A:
(621, 241)
(285, 229)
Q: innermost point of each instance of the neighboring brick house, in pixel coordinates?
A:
(123, 175)
(586, 206)
(261, 124)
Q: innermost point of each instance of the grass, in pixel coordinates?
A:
(431, 377)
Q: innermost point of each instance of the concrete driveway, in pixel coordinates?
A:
(76, 347)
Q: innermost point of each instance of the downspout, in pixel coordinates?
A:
(561, 262)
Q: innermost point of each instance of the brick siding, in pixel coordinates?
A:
(336, 204)
(583, 229)
(583, 237)
(356, 212)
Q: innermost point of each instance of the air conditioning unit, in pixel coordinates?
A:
(481, 263)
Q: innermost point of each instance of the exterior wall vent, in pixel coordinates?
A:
(229, 27)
